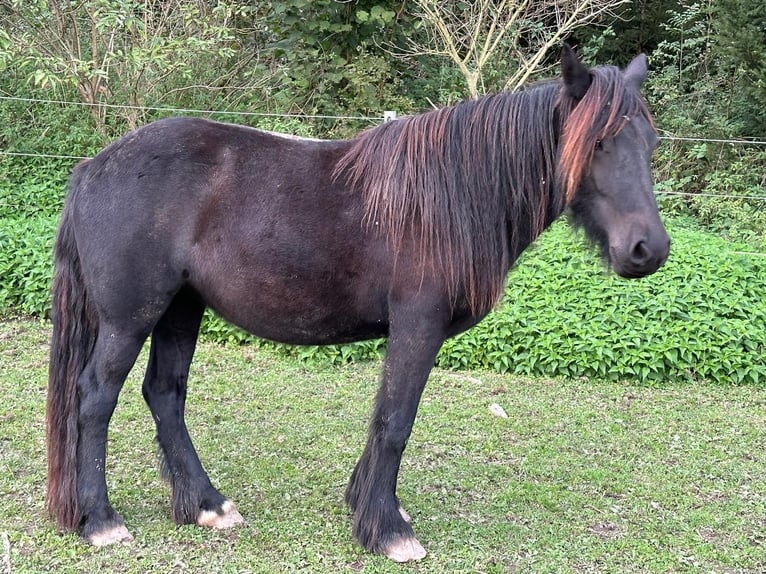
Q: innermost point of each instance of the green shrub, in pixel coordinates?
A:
(725, 193)
(214, 328)
(26, 245)
(701, 317)
(30, 188)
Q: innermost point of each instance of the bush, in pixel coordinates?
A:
(29, 189)
(26, 266)
(214, 328)
(701, 317)
(694, 95)
(725, 191)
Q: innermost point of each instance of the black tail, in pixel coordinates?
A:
(75, 327)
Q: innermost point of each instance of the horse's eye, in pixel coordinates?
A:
(599, 145)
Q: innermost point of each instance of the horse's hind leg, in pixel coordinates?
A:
(98, 386)
(194, 499)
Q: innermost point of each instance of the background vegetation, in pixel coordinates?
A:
(328, 69)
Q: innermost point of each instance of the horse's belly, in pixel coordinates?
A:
(317, 325)
(301, 332)
(300, 307)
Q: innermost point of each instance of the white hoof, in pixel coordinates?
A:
(230, 517)
(405, 550)
(405, 516)
(111, 536)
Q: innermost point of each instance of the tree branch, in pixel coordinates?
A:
(471, 34)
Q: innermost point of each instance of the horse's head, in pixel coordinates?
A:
(605, 164)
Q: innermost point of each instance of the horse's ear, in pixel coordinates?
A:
(636, 72)
(576, 76)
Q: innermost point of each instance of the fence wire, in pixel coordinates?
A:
(383, 117)
(190, 110)
(380, 118)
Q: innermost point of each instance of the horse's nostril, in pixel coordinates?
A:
(640, 253)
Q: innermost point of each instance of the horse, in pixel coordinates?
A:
(406, 231)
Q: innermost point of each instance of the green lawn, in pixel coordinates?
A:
(582, 476)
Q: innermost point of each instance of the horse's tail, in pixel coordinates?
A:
(75, 326)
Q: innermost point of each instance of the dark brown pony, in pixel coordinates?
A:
(407, 232)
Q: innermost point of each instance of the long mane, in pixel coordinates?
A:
(473, 184)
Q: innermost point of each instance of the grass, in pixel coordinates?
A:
(582, 476)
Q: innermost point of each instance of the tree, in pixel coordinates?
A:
(639, 27)
(474, 34)
(332, 55)
(120, 51)
(741, 43)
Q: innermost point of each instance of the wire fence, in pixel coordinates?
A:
(186, 110)
(174, 110)
(385, 116)
(380, 118)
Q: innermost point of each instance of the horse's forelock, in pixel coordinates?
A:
(604, 110)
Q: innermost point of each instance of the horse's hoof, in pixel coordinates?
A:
(405, 550)
(109, 536)
(227, 518)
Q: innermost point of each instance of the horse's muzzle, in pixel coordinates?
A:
(641, 257)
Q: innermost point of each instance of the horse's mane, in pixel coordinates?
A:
(474, 183)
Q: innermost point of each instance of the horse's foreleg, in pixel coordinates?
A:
(194, 499)
(98, 388)
(380, 524)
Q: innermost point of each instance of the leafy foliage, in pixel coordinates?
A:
(684, 88)
(724, 189)
(700, 318)
(639, 28)
(216, 329)
(119, 50)
(37, 128)
(30, 188)
(741, 39)
(721, 185)
(26, 266)
(332, 58)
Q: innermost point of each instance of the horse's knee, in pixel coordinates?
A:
(391, 432)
